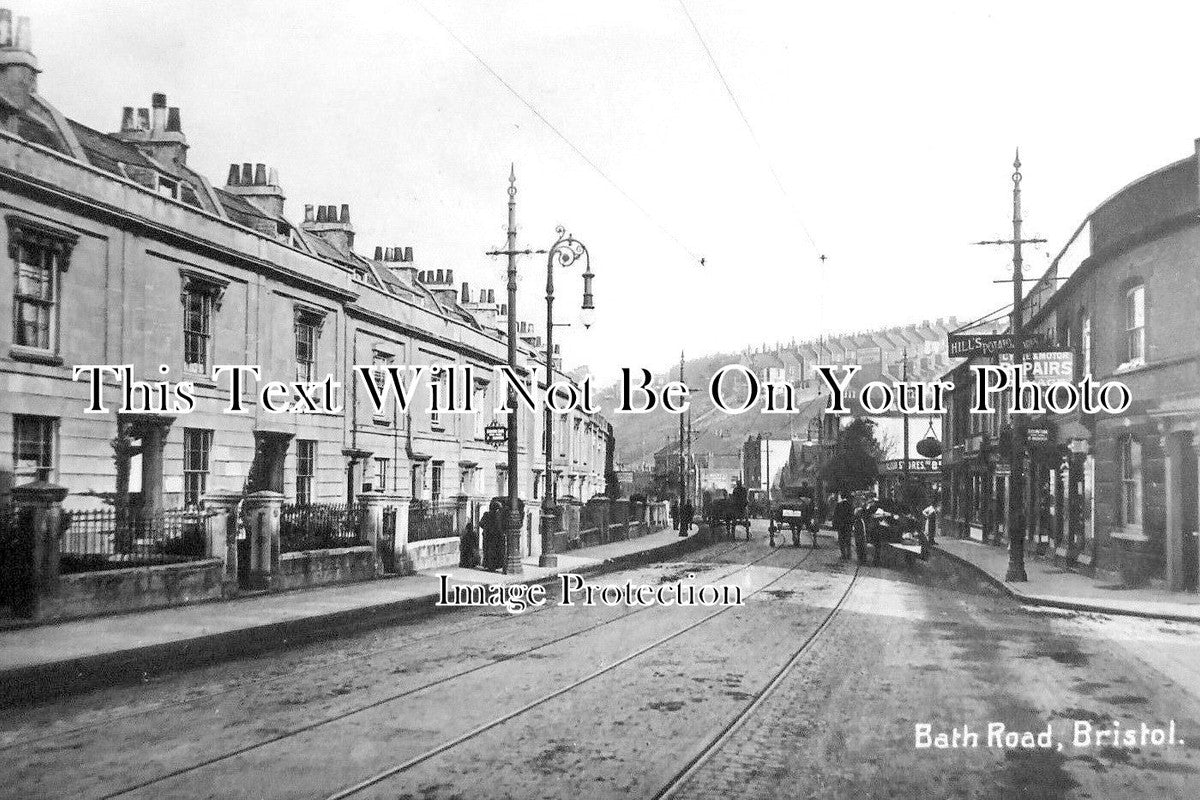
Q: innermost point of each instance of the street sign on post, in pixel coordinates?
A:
(1045, 367)
(965, 345)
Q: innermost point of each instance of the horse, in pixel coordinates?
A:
(723, 511)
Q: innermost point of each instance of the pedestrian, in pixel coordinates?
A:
(674, 515)
(491, 524)
(843, 521)
(686, 515)
(863, 524)
(740, 499)
(468, 546)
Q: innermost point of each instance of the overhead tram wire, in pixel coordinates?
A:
(745, 120)
(694, 256)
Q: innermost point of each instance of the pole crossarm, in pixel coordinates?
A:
(1012, 241)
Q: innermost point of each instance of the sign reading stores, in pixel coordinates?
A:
(961, 345)
(1045, 367)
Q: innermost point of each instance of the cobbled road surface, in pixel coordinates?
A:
(813, 688)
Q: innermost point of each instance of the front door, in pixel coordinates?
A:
(1190, 514)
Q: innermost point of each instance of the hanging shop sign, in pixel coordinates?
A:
(495, 434)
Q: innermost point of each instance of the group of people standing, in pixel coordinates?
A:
(875, 523)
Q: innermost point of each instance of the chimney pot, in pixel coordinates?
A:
(308, 212)
(440, 276)
(143, 119)
(158, 111)
(234, 174)
(389, 254)
(378, 253)
(126, 117)
(345, 213)
(5, 27)
(173, 122)
(466, 292)
(450, 276)
(23, 39)
(273, 177)
(247, 174)
(407, 254)
(260, 174)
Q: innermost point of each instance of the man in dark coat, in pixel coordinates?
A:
(740, 499)
(491, 523)
(686, 515)
(843, 520)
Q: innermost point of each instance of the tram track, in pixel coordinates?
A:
(397, 769)
(333, 718)
(292, 675)
(714, 746)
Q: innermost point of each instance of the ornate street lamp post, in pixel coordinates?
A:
(565, 252)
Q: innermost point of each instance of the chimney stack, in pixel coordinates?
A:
(333, 226)
(18, 66)
(156, 130)
(260, 188)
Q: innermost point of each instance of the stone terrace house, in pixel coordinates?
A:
(119, 253)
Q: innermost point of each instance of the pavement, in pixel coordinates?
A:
(51, 660)
(1052, 585)
(818, 686)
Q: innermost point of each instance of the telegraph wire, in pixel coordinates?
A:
(533, 110)
(762, 152)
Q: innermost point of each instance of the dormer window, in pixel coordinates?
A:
(168, 187)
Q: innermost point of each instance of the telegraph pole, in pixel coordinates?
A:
(513, 521)
(905, 380)
(679, 512)
(1016, 515)
(691, 467)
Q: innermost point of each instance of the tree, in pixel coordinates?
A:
(854, 464)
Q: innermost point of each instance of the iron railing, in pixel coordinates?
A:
(107, 539)
(319, 526)
(430, 520)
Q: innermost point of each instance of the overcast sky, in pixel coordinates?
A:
(891, 127)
